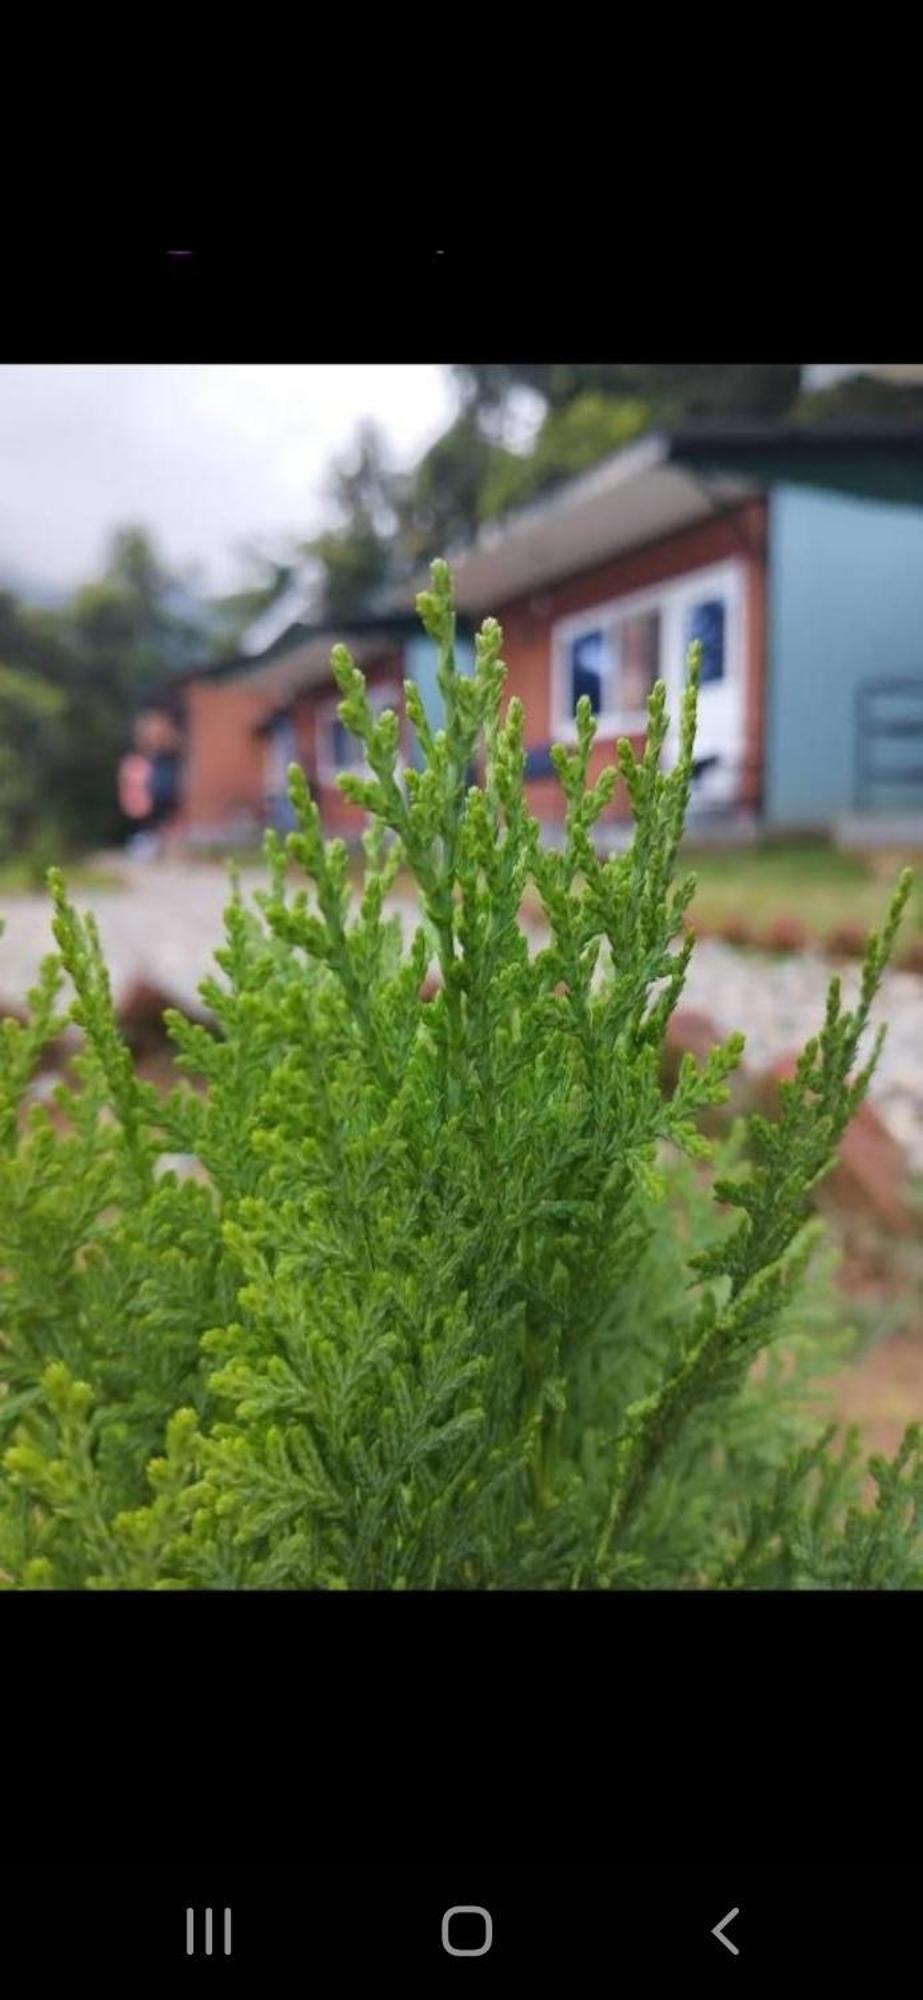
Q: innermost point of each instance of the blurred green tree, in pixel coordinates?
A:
(355, 553)
(571, 438)
(74, 677)
(861, 399)
(674, 391)
(441, 504)
(31, 711)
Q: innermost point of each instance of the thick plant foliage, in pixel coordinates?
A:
(451, 1300)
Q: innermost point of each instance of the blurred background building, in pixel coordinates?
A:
(793, 554)
(607, 513)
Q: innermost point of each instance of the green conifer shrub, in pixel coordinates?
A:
(460, 1296)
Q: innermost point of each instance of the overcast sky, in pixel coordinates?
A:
(206, 456)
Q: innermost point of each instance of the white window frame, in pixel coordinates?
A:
(384, 695)
(671, 599)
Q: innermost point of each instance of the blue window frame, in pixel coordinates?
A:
(616, 664)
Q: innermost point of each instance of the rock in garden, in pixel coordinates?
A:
(736, 931)
(847, 941)
(140, 1014)
(784, 934)
(911, 958)
(690, 1032)
(870, 1174)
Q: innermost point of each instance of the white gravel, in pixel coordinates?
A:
(779, 1002)
(163, 925)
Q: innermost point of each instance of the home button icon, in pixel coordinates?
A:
(467, 1930)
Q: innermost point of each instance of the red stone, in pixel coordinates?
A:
(140, 1014)
(736, 930)
(911, 958)
(847, 941)
(784, 934)
(870, 1175)
(691, 1032)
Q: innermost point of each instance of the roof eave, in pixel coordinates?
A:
(633, 498)
(862, 461)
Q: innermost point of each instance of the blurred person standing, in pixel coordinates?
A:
(136, 800)
(149, 788)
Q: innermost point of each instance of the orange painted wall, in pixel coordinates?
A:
(223, 758)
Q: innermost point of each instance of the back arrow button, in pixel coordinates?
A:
(718, 1931)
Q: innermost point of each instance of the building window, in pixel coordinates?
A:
(615, 653)
(637, 665)
(346, 749)
(588, 669)
(706, 622)
(281, 751)
(338, 749)
(615, 664)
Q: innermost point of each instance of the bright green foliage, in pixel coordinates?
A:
(453, 1300)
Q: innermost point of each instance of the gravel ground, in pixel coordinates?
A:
(779, 1003)
(164, 923)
